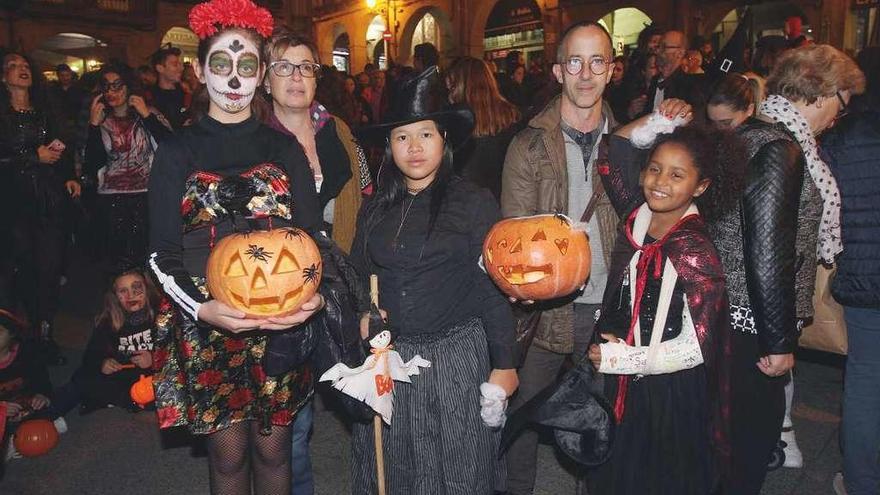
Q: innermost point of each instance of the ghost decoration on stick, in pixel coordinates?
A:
(373, 381)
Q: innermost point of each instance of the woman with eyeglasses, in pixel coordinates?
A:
(770, 248)
(337, 162)
(35, 170)
(338, 166)
(123, 135)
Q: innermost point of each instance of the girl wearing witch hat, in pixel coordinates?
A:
(225, 173)
(422, 233)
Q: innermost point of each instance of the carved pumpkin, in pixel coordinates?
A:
(35, 437)
(265, 273)
(538, 257)
(142, 391)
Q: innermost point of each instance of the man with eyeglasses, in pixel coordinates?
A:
(551, 168)
(672, 81)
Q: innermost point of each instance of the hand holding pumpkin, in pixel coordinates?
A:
(308, 309)
(110, 366)
(143, 359)
(226, 317)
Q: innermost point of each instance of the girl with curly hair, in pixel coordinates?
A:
(665, 319)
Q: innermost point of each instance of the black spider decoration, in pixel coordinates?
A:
(255, 253)
(290, 233)
(562, 218)
(310, 274)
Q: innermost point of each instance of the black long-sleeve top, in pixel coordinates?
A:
(120, 344)
(223, 149)
(431, 285)
(31, 187)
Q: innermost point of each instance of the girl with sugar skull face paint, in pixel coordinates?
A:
(232, 71)
(224, 175)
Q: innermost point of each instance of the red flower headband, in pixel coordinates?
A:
(205, 18)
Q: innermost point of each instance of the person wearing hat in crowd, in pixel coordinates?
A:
(793, 30)
(422, 233)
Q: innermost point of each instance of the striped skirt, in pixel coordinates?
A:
(437, 443)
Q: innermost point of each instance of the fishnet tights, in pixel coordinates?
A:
(240, 449)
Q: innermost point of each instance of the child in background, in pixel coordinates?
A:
(120, 349)
(664, 318)
(24, 384)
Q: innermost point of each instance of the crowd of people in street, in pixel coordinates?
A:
(713, 187)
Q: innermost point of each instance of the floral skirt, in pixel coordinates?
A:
(208, 380)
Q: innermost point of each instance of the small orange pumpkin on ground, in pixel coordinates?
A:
(35, 437)
(142, 391)
(538, 257)
(265, 273)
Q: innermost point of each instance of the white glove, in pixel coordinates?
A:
(645, 135)
(493, 403)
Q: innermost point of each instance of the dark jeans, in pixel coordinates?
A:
(757, 412)
(540, 369)
(125, 224)
(861, 403)
(303, 482)
(95, 390)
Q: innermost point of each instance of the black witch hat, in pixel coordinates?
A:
(581, 419)
(420, 99)
(730, 58)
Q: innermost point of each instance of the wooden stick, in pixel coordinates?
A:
(377, 420)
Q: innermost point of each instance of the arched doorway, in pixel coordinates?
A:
(185, 40)
(427, 25)
(376, 43)
(427, 31)
(83, 53)
(514, 25)
(624, 26)
(342, 53)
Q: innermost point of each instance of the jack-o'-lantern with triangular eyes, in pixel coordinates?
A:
(265, 273)
(538, 257)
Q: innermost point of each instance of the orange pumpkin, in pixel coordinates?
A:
(35, 437)
(538, 257)
(142, 391)
(265, 273)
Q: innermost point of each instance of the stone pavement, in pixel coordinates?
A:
(112, 452)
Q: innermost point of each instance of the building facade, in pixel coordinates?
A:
(351, 33)
(358, 30)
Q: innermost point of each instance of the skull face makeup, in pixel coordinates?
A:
(232, 71)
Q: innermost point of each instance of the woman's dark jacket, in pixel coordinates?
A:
(853, 152)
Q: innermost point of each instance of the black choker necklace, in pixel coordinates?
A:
(415, 190)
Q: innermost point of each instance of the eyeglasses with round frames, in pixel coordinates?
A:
(575, 65)
(283, 68)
